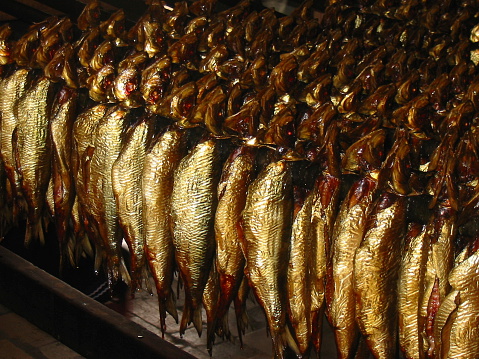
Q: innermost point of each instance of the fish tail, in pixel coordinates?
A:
(210, 334)
(241, 319)
(34, 230)
(316, 332)
(140, 276)
(170, 305)
(282, 338)
(191, 314)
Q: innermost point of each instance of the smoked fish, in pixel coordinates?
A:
(100, 204)
(193, 205)
(32, 149)
(126, 176)
(160, 164)
(236, 176)
(266, 230)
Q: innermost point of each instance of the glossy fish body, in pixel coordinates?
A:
(193, 207)
(376, 270)
(235, 179)
(299, 276)
(266, 225)
(14, 87)
(61, 128)
(461, 330)
(126, 176)
(325, 208)
(441, 232)
(157, 185)
(347, 234)
(411, 291)
(83, 140)
(100, 204)
(32, 148)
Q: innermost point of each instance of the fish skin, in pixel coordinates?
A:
(157, 185)
(326, 198)
(266, 225)
(83, 139)
(32, 148)
(376, 270)
(299, 276)
(411, 291)
(441, 232)
(464, 329)
(237, 174)
(348, 231)
(61, 129)
(193, 207)
(211, 296)
(127, 181)
(99, 203)
(13, 88)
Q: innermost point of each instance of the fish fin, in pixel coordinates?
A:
(289, 340)
(197, 319)
(210, 334)
(170, 305)
(191, 314)
(124, 274)
(241, 319)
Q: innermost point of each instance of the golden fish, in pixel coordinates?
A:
(440, 232)
(157, 185)
(126, 177)
(235, 179)
(411, 291)
(83, 139)
(5, 45)
(90, 15)
(346, 237)
(326, 193)
(265, 226)
(211, 296)
(376, 269)
(32, 148)
(99, 203)
(193, 205)
(61, 129)
(299, 275)
(14, 87)
(460, 331)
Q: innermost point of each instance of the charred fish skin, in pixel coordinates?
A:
(157, 185)
(193, 205)
(411, 291)
(237, 174)
(347, 235)
(100, 204)
(127, 181)
(376, 269)
(61, 129)
(266, 225)
(32, 148)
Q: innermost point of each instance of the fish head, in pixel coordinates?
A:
(202, 7)
(6, 45)
(366, 154)
(104, 55)
(114, 27)
(126, 87)
(100, 85)
(87, 46)
(283, 76)
(90, 16)
(175, 20)
(216, 56)
(155, 39)
(155, 79)
(184, 50)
